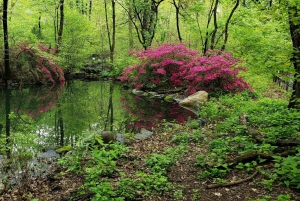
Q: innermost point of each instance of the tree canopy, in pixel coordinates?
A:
(265, 34)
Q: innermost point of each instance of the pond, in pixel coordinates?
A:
(57, 116)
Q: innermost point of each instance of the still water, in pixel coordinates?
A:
(60, 115)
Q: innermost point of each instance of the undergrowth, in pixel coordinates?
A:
(267, 123)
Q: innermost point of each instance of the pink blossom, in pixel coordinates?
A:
(161, 71)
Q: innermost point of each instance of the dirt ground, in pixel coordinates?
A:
(183, 173)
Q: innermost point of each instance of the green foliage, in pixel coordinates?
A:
(288, 170)
(187, 137)
(160, 163)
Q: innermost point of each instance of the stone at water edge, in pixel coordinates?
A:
(200, 96)
(144, 133)
(107, 136)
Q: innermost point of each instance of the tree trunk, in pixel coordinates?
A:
(295, 35)
(7, 71)
(214, 32)
(130, 28)
(177, 7)
(90, 9)
(61, 24)
(111, 36)
(227, 24)
(210, 13)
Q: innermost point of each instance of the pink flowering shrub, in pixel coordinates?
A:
(36, 64)
(174, 65)
(159, 66)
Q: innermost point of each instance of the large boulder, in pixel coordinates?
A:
(190, 101)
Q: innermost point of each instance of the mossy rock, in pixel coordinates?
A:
(64, 149)
(169, 98)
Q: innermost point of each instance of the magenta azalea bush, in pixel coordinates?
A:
(175, 65)
(33, 64)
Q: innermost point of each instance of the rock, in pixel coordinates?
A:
(64, 149)
(138, 92)
(143, 134)
(107, 136)
(196, 123)
(200, 96)
(48, 154)
(169, 98)
(123, 139)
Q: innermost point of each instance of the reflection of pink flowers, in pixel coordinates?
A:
(44, 102)
(148, 114)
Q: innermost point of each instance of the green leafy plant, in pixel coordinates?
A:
(288, 170)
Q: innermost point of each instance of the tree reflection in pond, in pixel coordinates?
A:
(60, 115)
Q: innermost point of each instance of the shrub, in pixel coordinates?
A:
(158, 67)
(36, 63)
(174, 65)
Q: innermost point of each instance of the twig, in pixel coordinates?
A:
(232, 183)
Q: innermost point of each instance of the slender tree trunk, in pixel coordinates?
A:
(227, 24)
(61, 24)
(111, 36)
(7, 71)
(205, 46)
(130, 28)
(214, 32)
(294, 13)
(90, 9)
(177, 7)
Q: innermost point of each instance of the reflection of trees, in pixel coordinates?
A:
(7, 121)
(61, 126)
(63, 114)
(110, 111)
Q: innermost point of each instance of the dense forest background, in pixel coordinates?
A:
(42, 36)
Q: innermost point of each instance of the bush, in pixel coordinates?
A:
(35, 63)
(174, 65)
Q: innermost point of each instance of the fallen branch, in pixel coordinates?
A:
(250, 156)
(232, 183)
(259, 136)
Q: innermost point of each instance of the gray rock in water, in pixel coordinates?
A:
(138, 92)
(143, 134)
(48, 154)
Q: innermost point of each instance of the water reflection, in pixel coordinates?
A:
(59, 115)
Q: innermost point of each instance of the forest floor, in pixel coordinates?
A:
(184, 176)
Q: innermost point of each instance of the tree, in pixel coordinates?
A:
(144, 16)
(216, 22)
(111, 35)
(178, 6)
(7, 71)
(294, 22)
(61, 24)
